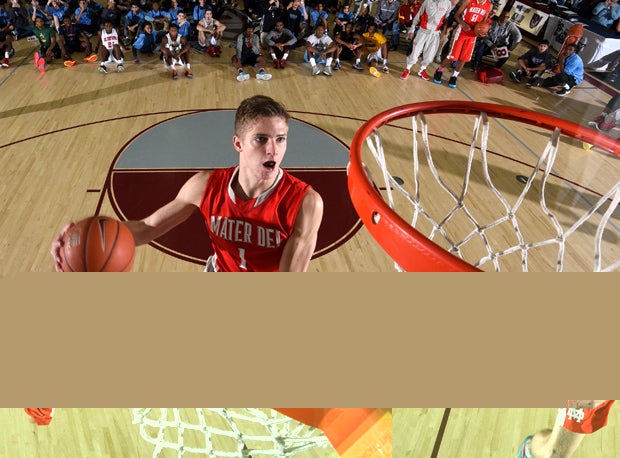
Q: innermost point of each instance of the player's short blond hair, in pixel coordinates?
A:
(258, 106)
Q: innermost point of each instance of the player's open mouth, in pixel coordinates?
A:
(269, 165)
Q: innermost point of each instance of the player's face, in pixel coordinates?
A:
(261, 147)
(173, 32)
(208, 15)
(148, 28)
(542, 47)
(279, 26)
(108, 27)
(319, 31)
(38, 22)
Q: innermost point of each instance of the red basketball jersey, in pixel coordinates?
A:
(474, 13)
(586, 421)
(249, 236)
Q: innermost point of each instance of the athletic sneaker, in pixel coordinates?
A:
(263, 76)
(386, 69)
(605, 126)
(523, 453)
(91, 58)
(405, 74)
(189, 74)
(374, 72)
(422, 74)
(5, 62)
(452, 82)
(103, 69)
(120, 68)
(282, 63)
(534, 81)
(358, 67)
(276, 63)
(327, 70)
(42, 416)
(515, 77)
(437, 77)
(563, 92)
(69, 63)
(243, 76)
(315, 70)
(39, 62)
(336, 66)
(175, 75)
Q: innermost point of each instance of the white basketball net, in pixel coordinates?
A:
(602, 209)
(226, 432)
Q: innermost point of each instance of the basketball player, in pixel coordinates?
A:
(320, 47)
(430, 18)
(6, 38)
(210, 34)
(49, 45)
(467, 16)
(376, 47)
(71, 38)
(610, 117)
(109, 48)
(570, 74)
(533, 64)
(259, 217)
(280, 41)
(248, 53)
(572, 424)
(175, 51)
(350, 47)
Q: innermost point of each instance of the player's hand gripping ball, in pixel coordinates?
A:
(98, 244)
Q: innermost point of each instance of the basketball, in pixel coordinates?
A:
(98, 244)
(481, 29)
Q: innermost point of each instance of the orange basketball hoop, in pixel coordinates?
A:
(415, 251)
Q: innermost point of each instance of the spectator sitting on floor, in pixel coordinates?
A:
(503, 37)
(606, 13)
(570, 74)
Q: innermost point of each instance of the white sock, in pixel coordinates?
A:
(384, 62)
(313, 61)
(456, 74)
(357, 61)
(328, 62)
(187, 65)
(285, 56)
(273, 56)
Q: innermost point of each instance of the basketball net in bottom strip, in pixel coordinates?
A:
(462, 200)
(266, 432)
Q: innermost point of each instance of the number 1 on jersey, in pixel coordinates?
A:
(242, 259)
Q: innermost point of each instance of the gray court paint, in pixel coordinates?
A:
(204, 140)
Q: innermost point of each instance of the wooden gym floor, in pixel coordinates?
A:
(417, 433)
(63, 129)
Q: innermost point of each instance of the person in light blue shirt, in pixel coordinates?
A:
(606, 13)
(570, 74)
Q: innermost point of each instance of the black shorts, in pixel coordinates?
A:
(249, 59)
(346, 54)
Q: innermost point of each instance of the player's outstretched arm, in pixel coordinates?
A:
(173, 213)
(300, 246)
(157, 224)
